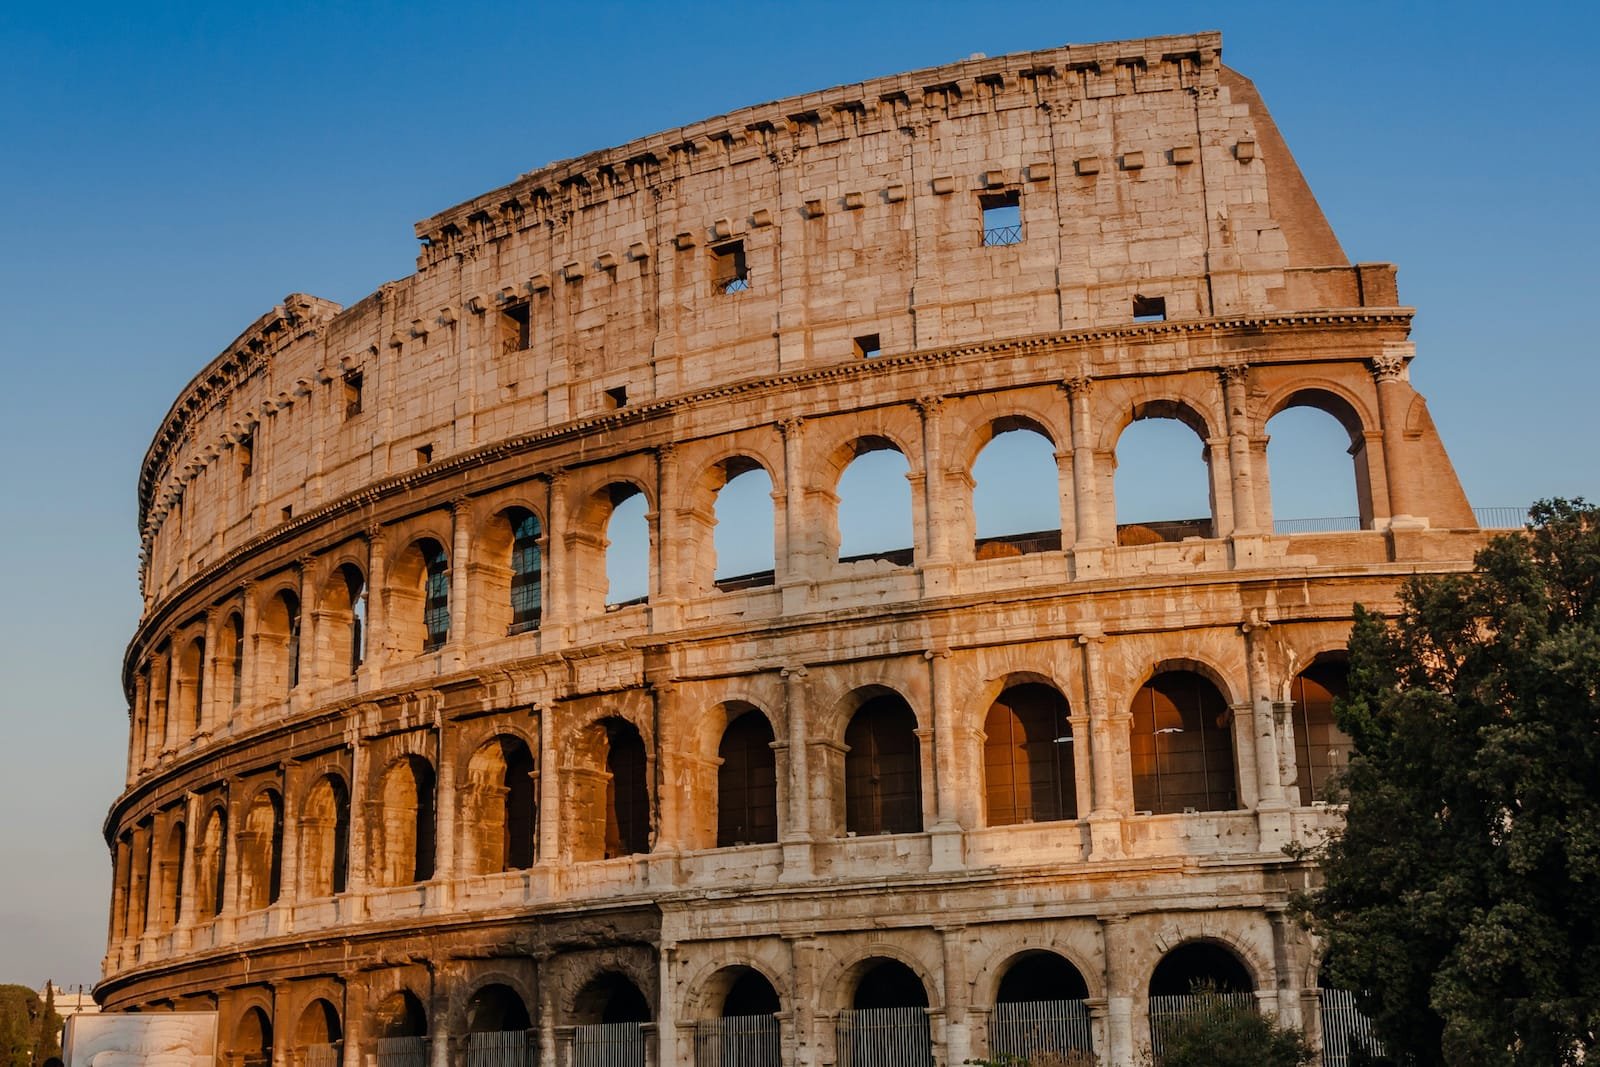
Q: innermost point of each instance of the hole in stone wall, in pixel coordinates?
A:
(729, 273)
(628, 549)
(352, 393)
(618, 397)
(1149, 309)
(1016, 495)
(867, 346)
(743, 538)
(424, 455)
(1002, 218)
(875, 507)
(1163, 483)
(514, 327)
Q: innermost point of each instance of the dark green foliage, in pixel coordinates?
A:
(27, 1026)
(1463, 894)
(1221, 1033)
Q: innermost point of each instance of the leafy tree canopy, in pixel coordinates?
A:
(29, 1027)
(1462, 898)
(1223, 1033)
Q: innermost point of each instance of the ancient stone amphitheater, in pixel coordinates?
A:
(408, 785)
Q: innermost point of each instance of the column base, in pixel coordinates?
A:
(797, 864)
(1105, 835)
(938, 578)
(948, 846)
(1248, 547)
(1088, 561)
(1274, 825)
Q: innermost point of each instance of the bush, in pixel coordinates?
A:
(1224, 1034)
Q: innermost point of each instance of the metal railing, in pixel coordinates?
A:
(1501, 518)
(738, 1041)
(1344, 1028)
(320, 1055)
(402, 1052)
(1056, 1027)
(501, 1048)
(1167, 1011)
(608, 1045)
(1002, 235)
(1326, 524)
(884, 1037)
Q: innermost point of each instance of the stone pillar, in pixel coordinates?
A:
(289, 861)
(957, 1024)
(306, 670)
(1235, 399)
(547, 1012)
(796, 835)
(798, 539)
(139, 742)
(460, 566)
(550, 800)
(947, 826)
(184, 919)
(1286, 993)
(667, 1050)
(249, 670)
(444, 819)
(666, 528)
(1115, 947)
(355, 866)
(1259, 728)
(1066, 497)
(1215, 454)
(801, 1047)
(1089, 526)
(206, 700)
(371, 673)
(1394, 402)
(171, 706)
(121, 871)
(1108, 755)
(558, 580)
(936, 510)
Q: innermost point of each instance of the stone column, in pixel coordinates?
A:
(936, 511)
(1066, 496)
(547, 1012)
(667, 1052)
(289, 861)
(557, 610)
(957, 1025)
(1108, 755)
(798, 541)
(306, 670)
(801, 1047)
(170, 708)
(550, 802)
(796, 834)
(207, 700)
(1394, 402)
(665, 525)
(1089, 526)
(946, 830)
(1114, 947)
(444, 820)
(184, 919)
(355, 866)
(460, 564)
(1235, 398)
(1258, 727)
(249, 669)
(139, 743)
(121, 872)
(1215, 454)
(371, 673)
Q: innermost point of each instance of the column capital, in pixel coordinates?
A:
(929, 405)
(373, 533)
(1077, 385)
(1390, 364)
(789, 427)
(1233, 374)
(796, 671)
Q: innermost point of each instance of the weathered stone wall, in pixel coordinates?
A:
(313, 812)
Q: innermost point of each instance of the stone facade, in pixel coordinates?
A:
(398, 770)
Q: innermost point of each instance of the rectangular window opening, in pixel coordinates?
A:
(728, 271)
(617, 397)
(246, 448)
(1002, 218)
(867, 346)
(352, 393)
(424, 455)
(1149, 309)
(515, 333)
(288, 512)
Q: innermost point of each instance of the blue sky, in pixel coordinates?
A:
(168, 172)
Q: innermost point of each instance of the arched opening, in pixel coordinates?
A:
(1162, 485)
(882, 769)
(278, 644)
(610, 1013)
(874, 519)
(1016, 492)
(1181, 746)
(1040, 1010)
(122, 883)
(324, 839)
(233, 665)
(319, 1034)
(261, 851)
(173, 857)
(400, 1028)
(499, 1033)
(418, 615)
(747, 783)
(405, 825)
(627, 547)
(627, 791)
(527, 570)
(743, 538)
(1191, 977)
(1321, 749)
(342, 623)
(743, 1028)
(211, 874)
(1028, 769)
(500, 804)
(1317, 461)
(888, 1018)
(191, 685)
(252, 1039)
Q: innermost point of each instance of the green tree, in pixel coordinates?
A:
(1222, 1033)
(1462, 897)
(20, 1015)
(47, 1040)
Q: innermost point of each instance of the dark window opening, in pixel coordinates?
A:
(424, 455)
(747, 783)
(627, 796)
(1028, 768)
(436, 596)
(1199, 963)
(1041, 976)
(729, 274)
(1002, 218)
(526, 571)
(352, 393)
(246, 448)
(291, 607)
(515, 335)
(890, 984)
(288, 512)
(1181, 746)
(750, 994)
(883, 770)
(867, 346)
(1149, 309)
(618, 397)
(521, 808)
(1321, 749)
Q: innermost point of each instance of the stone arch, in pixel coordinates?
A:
(882, 783)
(1029, 756)
(260, 850)
(174, 856)
(747, 779)
(611, 995)
(511, 562)
(1126, 481)
(708, 984)
(885, 493)
(320, 1028)
(230, 660)
(706, 569)
(324, 838)
(991, 969)
(417, 605)
(189, 702)
(499, 803)
(399, 1016)
(1321, 749)
(1196, 958)
(402, 836)
(1038, 974)
(277, 644)
(1334, 402)
(993, 532)
(848, 977)
(211, 856)
(496, 1006)
(591, 537)
(611, 799)
(1181, 743)
(252, 1038)
(342, 620)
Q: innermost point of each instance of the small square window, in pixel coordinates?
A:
(617, 397)
(424, 455)
(728, 271)
(1149, 309)
(515, 333)
(288, 512)
(867, 346)
(1002, 218)
(352, 393)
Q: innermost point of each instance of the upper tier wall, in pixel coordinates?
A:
(856, 212)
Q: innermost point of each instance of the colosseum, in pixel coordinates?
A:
(409, 785)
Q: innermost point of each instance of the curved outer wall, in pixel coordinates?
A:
(568, 340)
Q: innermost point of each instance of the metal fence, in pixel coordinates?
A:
(1328, 524)
(1501, 518)
(738, 1041)
(1166, 1011)
(884, 1037)
(1003, 235)
(1344, 1028)
(501, 1048)
(608, 1045)
(320, 1056)
(1050, 1026)
(402, 1052)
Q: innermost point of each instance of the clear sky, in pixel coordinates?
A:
(169, 171)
